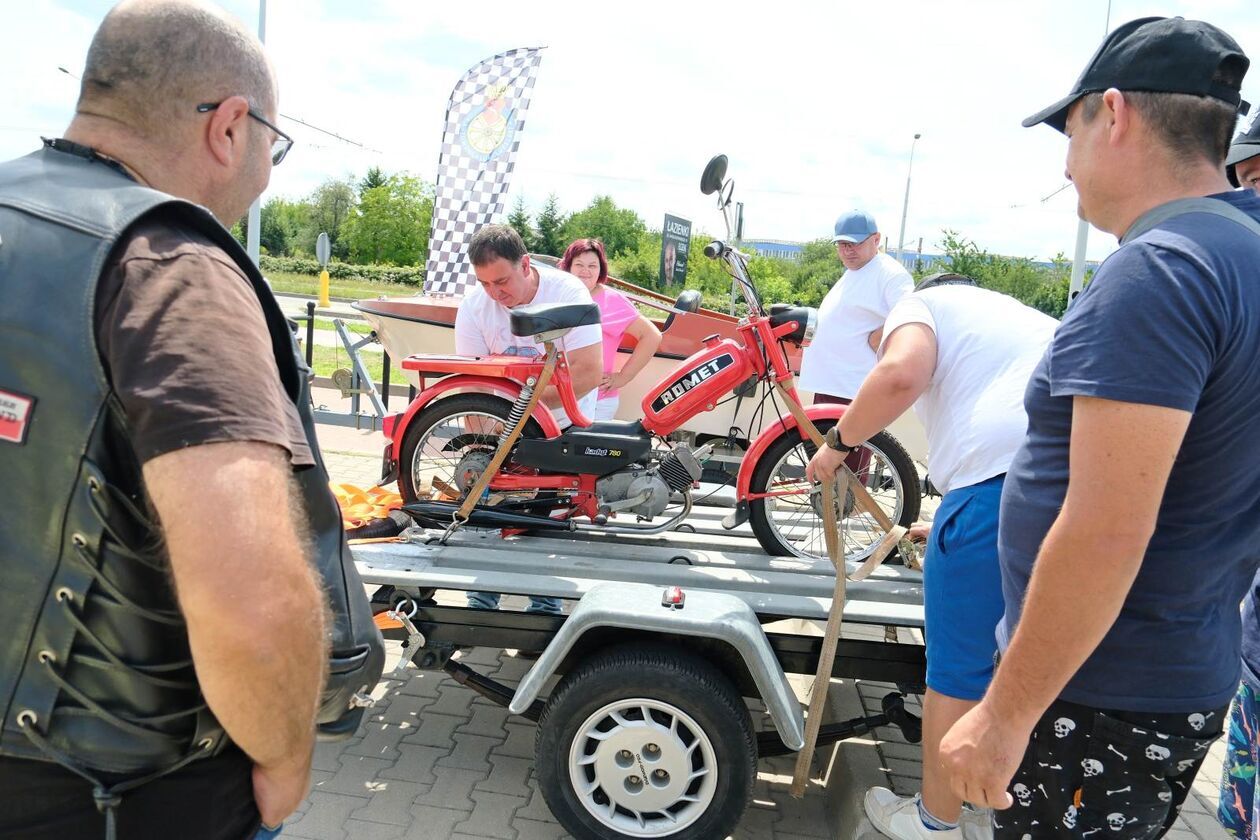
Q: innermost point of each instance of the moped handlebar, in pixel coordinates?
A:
(738, 261)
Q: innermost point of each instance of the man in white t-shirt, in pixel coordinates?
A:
(506, 278)
(852, 314)
(963, 357)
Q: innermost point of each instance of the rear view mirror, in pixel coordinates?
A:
(714, 174)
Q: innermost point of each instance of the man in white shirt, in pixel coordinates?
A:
(506, 278)
(963, 357)
(851, 316)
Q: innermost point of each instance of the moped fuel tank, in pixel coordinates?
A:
(696, 385)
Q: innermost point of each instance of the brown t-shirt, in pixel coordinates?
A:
(184, 343)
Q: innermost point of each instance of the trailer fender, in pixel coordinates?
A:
(702, 614)
(509, 390)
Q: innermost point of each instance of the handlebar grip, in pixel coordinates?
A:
(714, 249)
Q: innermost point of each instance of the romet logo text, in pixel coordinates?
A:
(691, 379)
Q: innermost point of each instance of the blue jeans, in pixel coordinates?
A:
(490, 601)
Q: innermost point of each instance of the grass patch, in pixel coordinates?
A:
(327, 359)
(356, 327)
(306, 284)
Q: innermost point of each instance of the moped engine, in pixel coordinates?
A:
(645, 491)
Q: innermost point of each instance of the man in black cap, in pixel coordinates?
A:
(1242, 165)
(1130, 516)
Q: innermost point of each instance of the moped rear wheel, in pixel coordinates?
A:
(450, 443)
(790, 523)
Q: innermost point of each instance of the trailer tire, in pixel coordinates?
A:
(674, 737)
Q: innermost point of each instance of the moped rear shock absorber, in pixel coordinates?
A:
(517, 415)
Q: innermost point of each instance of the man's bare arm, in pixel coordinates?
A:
(897, 380)
(254, 606)
(586, 368)
(1121, 457)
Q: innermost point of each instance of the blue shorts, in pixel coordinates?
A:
(962, 591)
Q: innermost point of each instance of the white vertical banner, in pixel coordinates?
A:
(483, 122)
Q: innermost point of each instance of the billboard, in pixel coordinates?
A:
(675, 243)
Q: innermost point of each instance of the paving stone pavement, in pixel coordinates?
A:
(435, 761)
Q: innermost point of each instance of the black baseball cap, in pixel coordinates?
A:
(1158, 55)
(1245, 146)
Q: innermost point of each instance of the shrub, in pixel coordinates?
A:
(409, 274)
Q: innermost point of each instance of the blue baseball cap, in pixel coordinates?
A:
(854, 226)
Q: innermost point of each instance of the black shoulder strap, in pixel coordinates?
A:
(1215, 206)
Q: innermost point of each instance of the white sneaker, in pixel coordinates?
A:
(976, 823)
(898, 817)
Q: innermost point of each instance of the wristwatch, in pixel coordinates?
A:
(832, 439)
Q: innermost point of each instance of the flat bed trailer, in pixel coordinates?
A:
(647, 733)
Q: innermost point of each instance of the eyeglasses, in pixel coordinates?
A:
(852, 246)
(279, 147)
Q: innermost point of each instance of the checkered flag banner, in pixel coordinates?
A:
(483, 123)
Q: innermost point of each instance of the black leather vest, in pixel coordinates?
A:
(95, 671)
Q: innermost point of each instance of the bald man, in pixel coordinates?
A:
(164, 500)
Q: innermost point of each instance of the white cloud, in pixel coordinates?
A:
(815, 103)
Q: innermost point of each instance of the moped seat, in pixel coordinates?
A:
(538, 318)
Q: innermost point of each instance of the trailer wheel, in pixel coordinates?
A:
(646, 742)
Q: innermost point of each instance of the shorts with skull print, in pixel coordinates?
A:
(1106, 774)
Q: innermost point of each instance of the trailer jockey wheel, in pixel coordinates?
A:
(646, 741)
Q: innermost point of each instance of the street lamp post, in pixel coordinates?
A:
(252, 232)
(905, 206)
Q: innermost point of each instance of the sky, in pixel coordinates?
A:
(816, 104)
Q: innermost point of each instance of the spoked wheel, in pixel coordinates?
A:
(449, 444)
(646, 742)
(790, 522)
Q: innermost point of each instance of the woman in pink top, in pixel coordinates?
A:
(585, 259)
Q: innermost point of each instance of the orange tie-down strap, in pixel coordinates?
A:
(384, 621)
(359, 506)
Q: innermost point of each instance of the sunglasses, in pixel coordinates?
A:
(279, 147)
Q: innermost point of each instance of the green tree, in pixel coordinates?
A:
(619, 229)
(281, 222)
(550, 228)
(330, 206)
(373, 179)
(815, 272)
(391, 222)
(519, 221)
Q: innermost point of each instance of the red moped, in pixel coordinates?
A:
(477, 426)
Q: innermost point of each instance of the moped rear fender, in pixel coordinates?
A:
(505, 388)
(786, 425)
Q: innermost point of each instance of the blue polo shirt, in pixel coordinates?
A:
(1171, 319)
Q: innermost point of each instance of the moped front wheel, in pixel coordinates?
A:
(450, 443)
(788, 519)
